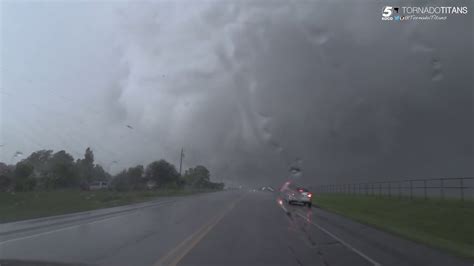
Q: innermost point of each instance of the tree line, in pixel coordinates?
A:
(48, 170)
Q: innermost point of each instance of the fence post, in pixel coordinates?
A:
(442, 188)
(399, 189)
(462, 189)
(424, 183)
(411, 189)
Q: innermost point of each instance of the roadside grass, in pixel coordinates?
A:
(35, 204)
(446, 224)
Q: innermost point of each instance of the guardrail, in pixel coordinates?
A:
(458, 187)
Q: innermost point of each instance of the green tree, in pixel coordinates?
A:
(135, 174)
(85, 167)
(41, 163)
(121, 181)
(99, 174)
(62, 172)
(129, 179)
(198, 177)
(6, 181)
(40, 160)
(163, 173)
(23, 177)
(89, 157)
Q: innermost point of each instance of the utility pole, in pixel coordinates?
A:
(181, 161)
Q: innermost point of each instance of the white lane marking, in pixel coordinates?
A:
(347, 245)
(54, 231)
(76, 225)
(91, 213)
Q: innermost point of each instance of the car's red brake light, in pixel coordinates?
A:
(310, 195)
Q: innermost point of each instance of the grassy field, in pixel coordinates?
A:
(445, 224)
(27, 205)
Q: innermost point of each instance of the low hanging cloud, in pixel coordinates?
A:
(250, 88)
(255, 88)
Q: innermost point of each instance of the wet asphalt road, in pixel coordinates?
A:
(224, 228)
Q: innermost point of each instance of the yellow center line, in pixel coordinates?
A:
(174, 256)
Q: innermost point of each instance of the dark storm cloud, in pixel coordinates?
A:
(252, 89)
(329, 83)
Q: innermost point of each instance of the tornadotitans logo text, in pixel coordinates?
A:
(421, 13)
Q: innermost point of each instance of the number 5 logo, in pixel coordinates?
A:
(387, 11)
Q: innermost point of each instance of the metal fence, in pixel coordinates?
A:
(460, 187)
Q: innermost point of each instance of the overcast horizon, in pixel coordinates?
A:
(247, 89)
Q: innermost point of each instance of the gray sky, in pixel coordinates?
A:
(247, 88)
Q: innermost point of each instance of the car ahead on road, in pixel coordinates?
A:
(294, 194)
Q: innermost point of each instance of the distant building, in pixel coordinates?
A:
(151, 184)
(98, 185)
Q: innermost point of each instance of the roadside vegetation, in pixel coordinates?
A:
(51, 183)
(445, 224)
(35, 204)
